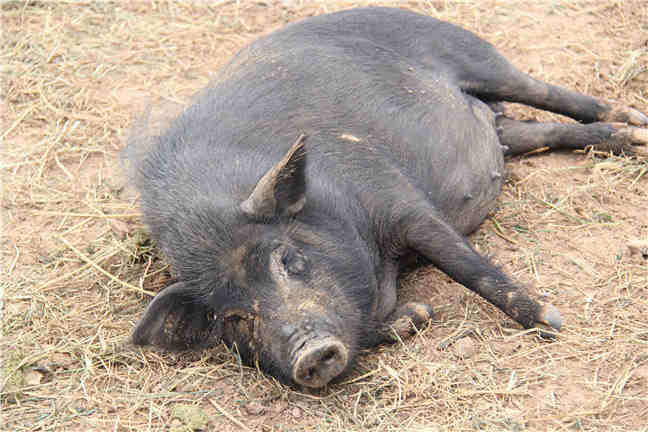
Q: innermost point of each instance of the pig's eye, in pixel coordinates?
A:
(294, 262)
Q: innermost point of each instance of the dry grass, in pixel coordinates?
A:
(78, 272)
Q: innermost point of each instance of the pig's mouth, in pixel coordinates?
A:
(316, 362)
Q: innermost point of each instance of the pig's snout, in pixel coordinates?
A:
(319, 361)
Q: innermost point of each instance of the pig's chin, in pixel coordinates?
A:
(315, 362)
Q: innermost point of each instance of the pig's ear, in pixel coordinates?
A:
(282, 190)
(177, 319)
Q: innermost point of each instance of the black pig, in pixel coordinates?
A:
(286, 196)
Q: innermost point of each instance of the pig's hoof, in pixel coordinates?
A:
(625, 115)
(626, 140)
(409, 318)
(549, 321)
(638, 247)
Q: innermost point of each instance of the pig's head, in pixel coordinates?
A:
(288, 293)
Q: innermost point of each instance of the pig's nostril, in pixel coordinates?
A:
(328, 355)
(319, 361)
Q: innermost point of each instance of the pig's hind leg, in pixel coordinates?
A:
(520, 137)
(515, 86)
(490, 77)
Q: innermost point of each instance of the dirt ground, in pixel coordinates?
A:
(77, 271)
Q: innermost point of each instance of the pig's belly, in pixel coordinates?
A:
(467, 191)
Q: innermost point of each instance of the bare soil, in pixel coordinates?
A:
(78, 272)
